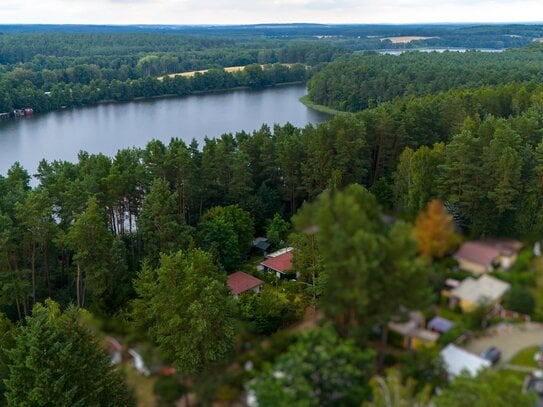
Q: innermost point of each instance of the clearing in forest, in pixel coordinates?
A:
(226, 69)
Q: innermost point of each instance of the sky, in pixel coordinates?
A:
(266, 11)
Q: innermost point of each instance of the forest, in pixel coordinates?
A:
(139, 246)
(358, 82)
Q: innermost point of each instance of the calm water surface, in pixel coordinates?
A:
(109, 127)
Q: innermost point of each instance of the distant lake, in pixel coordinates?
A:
(440, 50)
(107, 128)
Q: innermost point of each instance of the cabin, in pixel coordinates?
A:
(471, 293)
(484, 256)
(240, 282)
(279, 263)
(27, 111)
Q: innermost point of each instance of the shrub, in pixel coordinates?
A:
(520, 299)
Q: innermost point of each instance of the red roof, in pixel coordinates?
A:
(240, 282)
(281, 263)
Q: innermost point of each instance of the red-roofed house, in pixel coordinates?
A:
(240, 282)
(482, 256)
(281, 265)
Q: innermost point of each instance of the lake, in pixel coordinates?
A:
(438, 50)
(107, 128)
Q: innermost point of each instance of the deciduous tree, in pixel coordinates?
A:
(187, 309)
(434, 231)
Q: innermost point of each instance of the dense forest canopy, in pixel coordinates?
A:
(357, 82)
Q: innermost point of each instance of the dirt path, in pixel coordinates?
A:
(510, 339)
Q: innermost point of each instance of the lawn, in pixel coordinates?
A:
(525, 357)
(143, 386)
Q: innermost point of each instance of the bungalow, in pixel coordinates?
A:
(279, 263)
(457, 360)
(471, 293)
(240, 282)
(483, 256)
(412, 331)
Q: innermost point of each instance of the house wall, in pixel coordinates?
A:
(507, 261)
(467, 306)
(417, 343)
(472, 267)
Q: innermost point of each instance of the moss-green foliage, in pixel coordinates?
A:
(320, 369)
(488, 389)
(519, 299)
(168, 390)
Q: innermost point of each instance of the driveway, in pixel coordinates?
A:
(510, 339)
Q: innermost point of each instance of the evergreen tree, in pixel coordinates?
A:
(56, 361)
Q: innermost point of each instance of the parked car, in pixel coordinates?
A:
(492, 354)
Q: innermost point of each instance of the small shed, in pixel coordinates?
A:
(262, 244)
(440, 325)
(412, 331)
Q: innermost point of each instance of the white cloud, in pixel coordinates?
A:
(258, 11)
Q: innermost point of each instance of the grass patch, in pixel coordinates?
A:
(526, 357)
(518, 375)
(447, 313)
(143, 386)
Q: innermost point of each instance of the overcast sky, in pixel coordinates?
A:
(266, 11)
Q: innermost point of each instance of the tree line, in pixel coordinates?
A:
(48, 71)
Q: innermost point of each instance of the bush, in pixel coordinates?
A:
(451, 335)
(520, 299)
(168, 390)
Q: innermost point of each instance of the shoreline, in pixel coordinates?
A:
(321, 108)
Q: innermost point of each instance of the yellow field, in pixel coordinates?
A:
(405, 40)
(227, 69)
